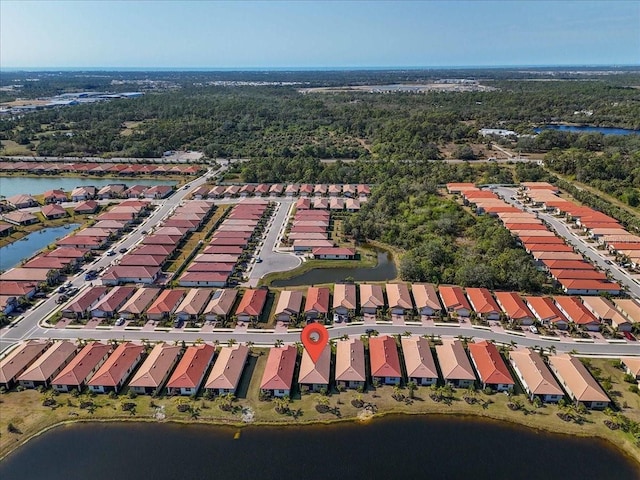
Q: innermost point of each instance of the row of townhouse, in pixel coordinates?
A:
(229, 248)
(539, 241)
(606, 230)
(124, 169)
(182, 371)
(279, 189)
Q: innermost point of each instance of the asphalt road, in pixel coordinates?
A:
(268, 337)
(579, 243)
(28, 326)
(273, 260)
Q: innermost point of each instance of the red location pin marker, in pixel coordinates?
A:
(314, 338)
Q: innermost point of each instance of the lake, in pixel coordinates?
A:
(384, 270)
(10, 186)
(391, 448)
(14, 253)
(588, 129)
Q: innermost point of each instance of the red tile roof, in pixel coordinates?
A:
(252, 302)
(453, 297)
(114, 370)
(384, 358)
(192, 366)
(317, 300)
(489, 364)
(278, 372)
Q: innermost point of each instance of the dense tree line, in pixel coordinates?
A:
(443, 242)
(312, 170)
(281, 122)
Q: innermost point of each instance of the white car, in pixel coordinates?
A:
(533, 329)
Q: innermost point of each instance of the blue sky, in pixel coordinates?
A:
(307, 34)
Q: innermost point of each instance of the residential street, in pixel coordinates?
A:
(578, 242)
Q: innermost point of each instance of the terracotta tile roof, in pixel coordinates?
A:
(371, 296)
(114, 299)
(489, 364)
(156, 367)
(52, 210)
(350, 365)
(575, 311)
(383, 355)
(139, 271)
(114, 370)
(166, 302)
(252, 302)
(577, 284)
(20, 358)
(604, 310)
(418, 358)
(453, 298)
(344, 295)
(86, 300)
(140, 301)
(17, 288)
(317, 300)
(513, 305)
(398, 296)
(575, 375)
(482, 301)
(630, 308)
(278, 372)
(78, 369)
(535, 372)
(425, 295)
(289, 302)
(191, 369)
(194, 301)
(227, 370)
(454, 363)
(633, 364)
(318, 372)
(545, 309)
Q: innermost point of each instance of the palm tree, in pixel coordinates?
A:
(278, 342)
(412, 387)
(198, 341)
(250, 345)
(231, 342)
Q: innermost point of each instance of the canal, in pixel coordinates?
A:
(14, 253)
(10, 186)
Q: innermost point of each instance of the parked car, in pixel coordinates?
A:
(628, 336)
(120, 322)
(608, 262)
(533, 329)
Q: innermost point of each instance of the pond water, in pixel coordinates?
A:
(384, 270)
(588, 129)
(14, 253)
(410, 447)
(10, 186)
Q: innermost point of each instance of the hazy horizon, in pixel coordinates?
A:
(306, 35)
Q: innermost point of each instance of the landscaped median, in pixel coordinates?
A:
(24, 416)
